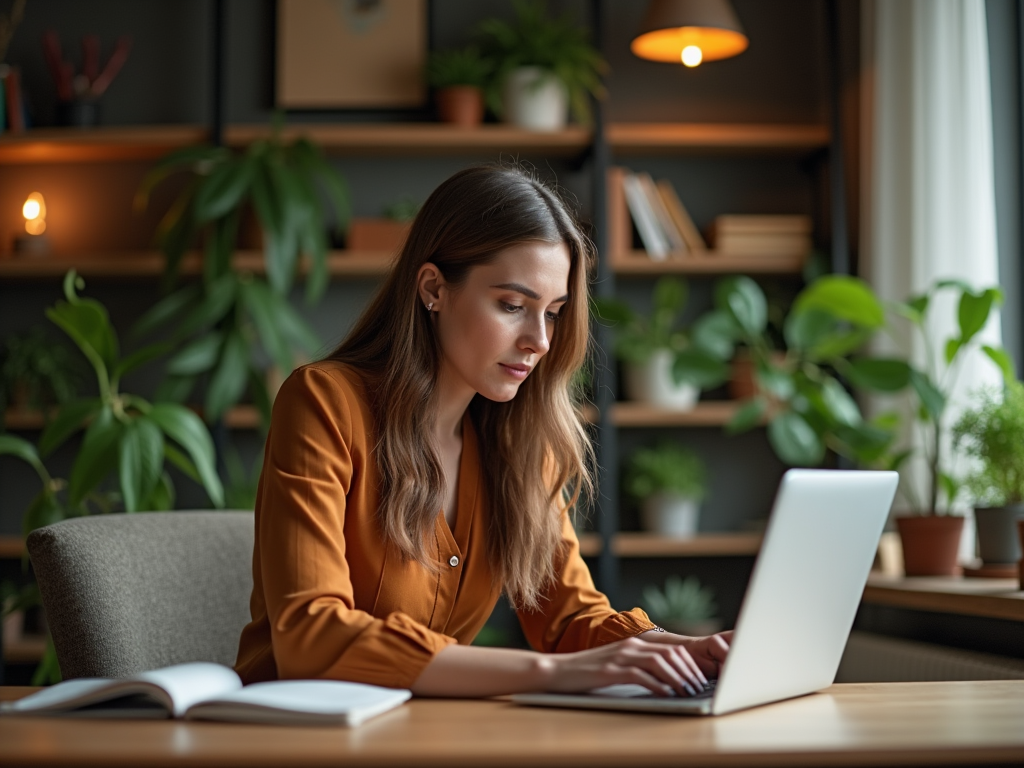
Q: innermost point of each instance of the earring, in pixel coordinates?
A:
(430, 306)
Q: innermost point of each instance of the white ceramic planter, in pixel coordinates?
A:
(670, 515)
(533, 106)
(651, 382)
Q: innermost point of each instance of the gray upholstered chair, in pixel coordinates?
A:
(127, 593)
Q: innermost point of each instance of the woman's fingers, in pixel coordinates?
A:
(670, 664)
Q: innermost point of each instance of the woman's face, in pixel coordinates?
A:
(498, 325)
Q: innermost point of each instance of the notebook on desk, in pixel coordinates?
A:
(799, 606)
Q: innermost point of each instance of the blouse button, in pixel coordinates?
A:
(453, 561)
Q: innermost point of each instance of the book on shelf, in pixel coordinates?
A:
(668, 226)
(762, 235)
(206, 691)
(655, 241)
(681, 217)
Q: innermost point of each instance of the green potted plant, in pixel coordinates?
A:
(670, 481)
(36, 373)
(124, 435)
(991, 434)
(798, 392)
(544, 68)
(683, 607)
(225, 327)
(459, 77)
(664, 364)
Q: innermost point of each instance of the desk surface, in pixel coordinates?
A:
(867, 724)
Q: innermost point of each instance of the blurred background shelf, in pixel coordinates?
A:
(239, 417)
(11, 546)
(990, 598)
(638, 263)
(26, 650)
(104, 144)
(637, 544)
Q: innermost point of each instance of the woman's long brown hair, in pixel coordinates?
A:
(534, 449)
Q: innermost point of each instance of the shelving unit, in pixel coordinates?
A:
(239, 417)
(646, 545)
(26, 650)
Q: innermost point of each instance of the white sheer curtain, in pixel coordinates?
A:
(929, 210)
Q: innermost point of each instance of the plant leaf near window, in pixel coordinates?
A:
(992, 434)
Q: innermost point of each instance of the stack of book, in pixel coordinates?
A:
(765, 235)
(664, 225)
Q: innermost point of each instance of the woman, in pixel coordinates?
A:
(418, 472)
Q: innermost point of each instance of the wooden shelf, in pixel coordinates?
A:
(239, 417)
(92, 145)
(638, 263)
(142, 264)
(11, 547)
(104, 144)
(666, 138)
(421, 138)
(708, 413)
(991, 598)
(638, 545)
(27, 650)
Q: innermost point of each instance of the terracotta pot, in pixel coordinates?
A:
(743, 385)
(377, 234)
(930, 544)
(461, 105)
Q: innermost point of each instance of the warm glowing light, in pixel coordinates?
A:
(34, 211)
(692, 55)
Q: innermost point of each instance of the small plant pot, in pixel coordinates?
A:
(695, 628)
(670, 515)
(535, 99)
(930, 544)
(377, 235)
(461, 105)
(651, 382)
(743, 383)
(997, 539)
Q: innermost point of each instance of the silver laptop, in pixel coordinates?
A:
(799, 607)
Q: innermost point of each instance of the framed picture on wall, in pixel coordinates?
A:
(351, 54)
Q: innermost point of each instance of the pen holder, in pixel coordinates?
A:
(78, 113)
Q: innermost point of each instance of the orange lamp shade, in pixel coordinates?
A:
(689, 32)
(34, 211)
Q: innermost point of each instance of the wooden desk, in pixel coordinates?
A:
(878, 724)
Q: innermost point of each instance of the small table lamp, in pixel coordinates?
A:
(34, 212)
(689, 32)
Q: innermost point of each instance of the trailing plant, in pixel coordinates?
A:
(992, 433)
(227, 325)
(459, 66)
(556, 45)
(682, 600)
(699, 354)
(36, 370)
(667, 468)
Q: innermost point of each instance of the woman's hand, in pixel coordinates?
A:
(661, 662)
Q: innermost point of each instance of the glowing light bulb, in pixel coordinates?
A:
(692, 55)
(34, 211)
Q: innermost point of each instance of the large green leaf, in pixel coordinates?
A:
(794, 441)
(228, 381)
(748, 416)
(847, 298)
(140, 461)
(614, 311)
(974, 310)
(1003, 360)
(24, 450)
(744, 300)
(198, 356)
(139, 358)
(218, 299)
(97, 457)
(88, 325)
(670, 295)
(175, 389)
(807, 329)
(45, 509)
(311, 160)
(184, 158)
(222, 191)
(715, 333)
(932, 400)
(162, 497)
(841, 407)
(166, 310)
(259, 301)
(294, 328)
(880, 374)
(185, 428)
(69, 419)
(272, 221)
(696, 367)
(863, 442)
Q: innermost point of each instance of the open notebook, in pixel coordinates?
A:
(205, 691)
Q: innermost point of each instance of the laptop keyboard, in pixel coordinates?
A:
(630, 691)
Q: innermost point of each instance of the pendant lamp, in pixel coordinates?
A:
(689, 32)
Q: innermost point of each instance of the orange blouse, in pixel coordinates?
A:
(331, 599)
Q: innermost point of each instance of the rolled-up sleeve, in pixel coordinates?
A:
(573, 614)
(316, 630)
